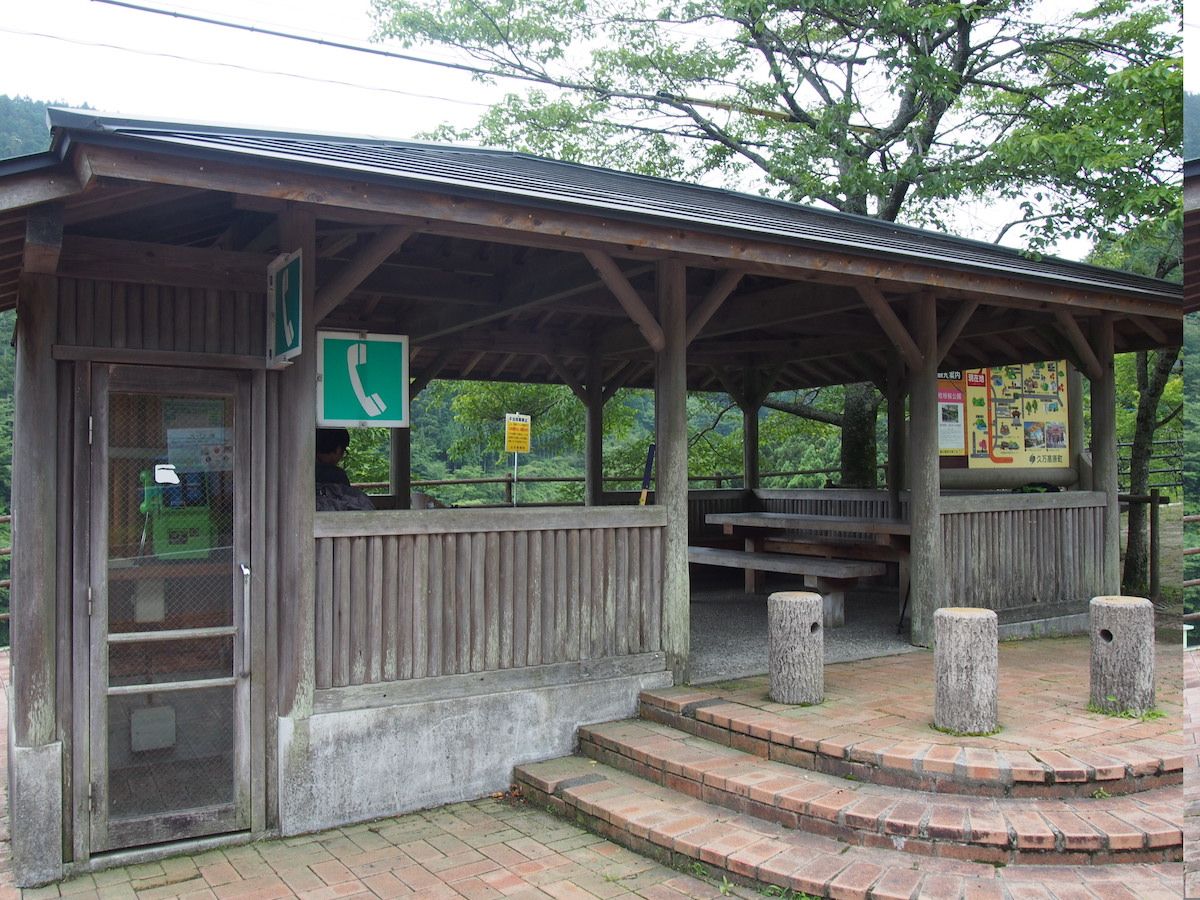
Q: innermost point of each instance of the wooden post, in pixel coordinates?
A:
(750, 402)
(594, 434)
(295, 462)
(1155, 549)
(1104, 450)
(400, 472)
(895, 435)
(671, 486)
(927, 556)
(1075, 439)
(34, 507)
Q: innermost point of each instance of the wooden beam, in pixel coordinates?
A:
(105, 259)
(43, 239)
(1152, 330)
(480, 218)
(954, 328)
(568, 379)
(1072, 332)
(611, 274)
(430, 372)
(712, 301)
(891, 325)
(30, 189)
(366, 261)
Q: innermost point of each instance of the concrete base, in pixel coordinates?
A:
(361, 764)
(1057, 626)
(35, 813)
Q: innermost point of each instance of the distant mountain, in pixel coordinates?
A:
(23, 127)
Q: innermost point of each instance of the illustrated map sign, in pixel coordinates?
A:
(1011, 416)
(283, 309)
(516, 433)
(362, 379)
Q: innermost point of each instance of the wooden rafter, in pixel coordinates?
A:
(351, 275)
(717, 294)
(1074, 334)
(891, 325)
(954, 328)
(631, 301)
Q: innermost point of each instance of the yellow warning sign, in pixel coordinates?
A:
(516, 433)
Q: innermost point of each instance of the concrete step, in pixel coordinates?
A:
(1143, 827)
(682, 831)
(943, 765)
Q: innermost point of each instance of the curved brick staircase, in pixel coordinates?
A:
(770, 799)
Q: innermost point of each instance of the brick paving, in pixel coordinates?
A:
(876, 715)
(492, 848)
(483, 849)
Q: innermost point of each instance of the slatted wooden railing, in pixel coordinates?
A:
(420, 594)
(1041, 553)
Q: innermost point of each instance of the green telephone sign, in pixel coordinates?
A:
(283, 309)
(362, 379)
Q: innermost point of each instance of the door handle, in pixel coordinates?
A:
(245, 620)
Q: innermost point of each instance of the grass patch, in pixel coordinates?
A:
(953, 733)
(1150, 715)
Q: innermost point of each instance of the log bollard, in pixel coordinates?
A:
(965, 659)
(1122, 654)
(796, 647)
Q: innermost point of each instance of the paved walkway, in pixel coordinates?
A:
(495, 848)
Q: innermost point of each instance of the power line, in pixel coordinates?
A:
(237, 66)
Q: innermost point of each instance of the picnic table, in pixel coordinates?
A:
(831, 553)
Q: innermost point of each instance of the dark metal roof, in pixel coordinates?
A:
(547, 183)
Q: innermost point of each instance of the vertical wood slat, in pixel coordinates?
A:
(375, 622)
(394, 607)
(391, 602)
(197, 328)
(324, 613)
(341, 617)
(507, 561)
(102, 323)
(419, 647)
(491, 598)
(360, 619)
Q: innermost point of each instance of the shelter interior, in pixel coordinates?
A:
(287, 666)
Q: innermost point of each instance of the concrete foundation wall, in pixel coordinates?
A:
(35, 813)
(355, 765)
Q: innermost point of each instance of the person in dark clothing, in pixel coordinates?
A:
(331, 448)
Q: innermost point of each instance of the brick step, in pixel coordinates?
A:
(1143, 827)
(682, 831)
(968, 766)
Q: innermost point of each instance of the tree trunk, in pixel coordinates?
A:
(1151, 382)
(860, 403)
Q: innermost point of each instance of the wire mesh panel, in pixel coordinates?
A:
(169, 717)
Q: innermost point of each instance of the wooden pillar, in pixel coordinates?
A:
(671, 485)
(750, 445)
(927, 557)
(296, 459)
(400, 467)
(593, 456)
(895, 435)
(34, 509)
(1075, 438)
(1104, 449)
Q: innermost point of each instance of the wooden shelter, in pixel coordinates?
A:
(207, 658)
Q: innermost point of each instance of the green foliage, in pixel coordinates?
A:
(23, 129)
(890, 109)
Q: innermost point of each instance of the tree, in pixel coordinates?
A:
(878, 107)
(23, 128)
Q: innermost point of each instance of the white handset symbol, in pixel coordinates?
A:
(288, 331)
(373, 405)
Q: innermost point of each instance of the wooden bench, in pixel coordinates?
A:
(830, 577)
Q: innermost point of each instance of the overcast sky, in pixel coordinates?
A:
(141, 64)
(137, 63)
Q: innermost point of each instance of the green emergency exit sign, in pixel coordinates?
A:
(362, 379)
